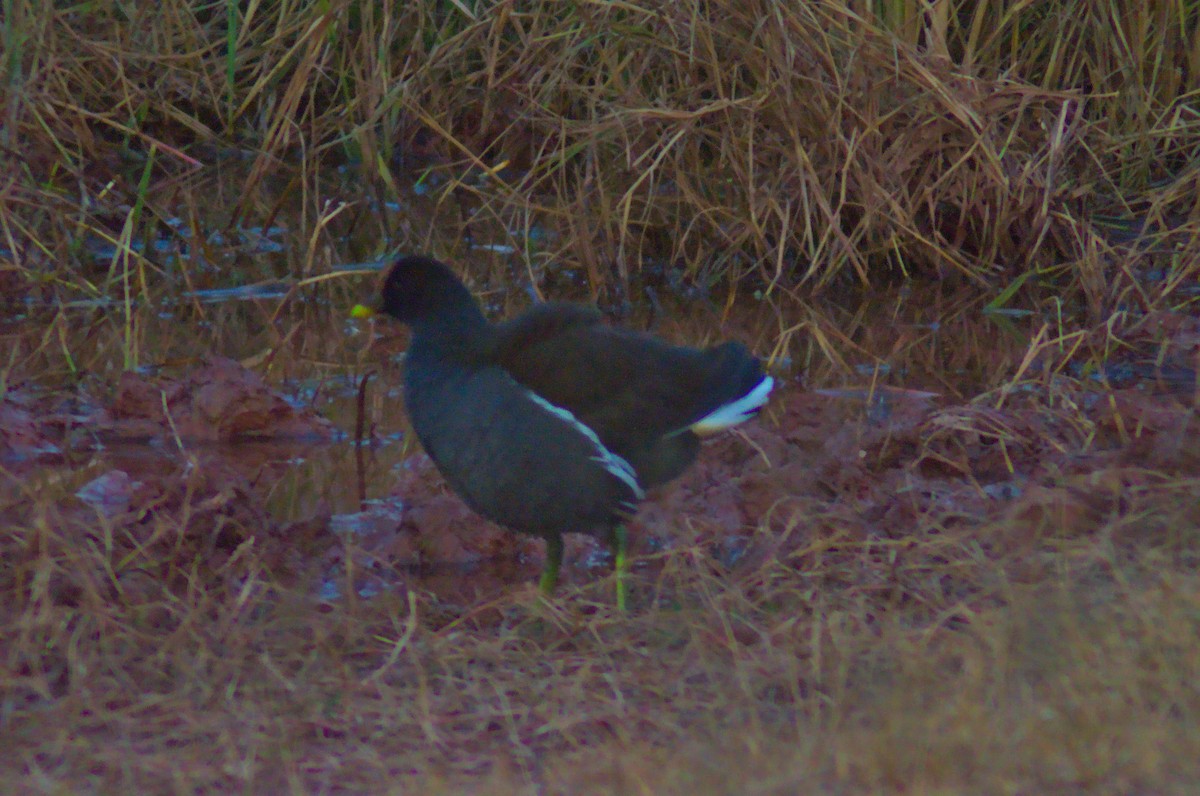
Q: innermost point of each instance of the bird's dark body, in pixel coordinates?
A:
(521, 457)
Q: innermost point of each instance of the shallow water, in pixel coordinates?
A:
(894, 348)
(251, 293)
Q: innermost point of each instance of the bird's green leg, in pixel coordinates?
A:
(620, 564)
(554, 554)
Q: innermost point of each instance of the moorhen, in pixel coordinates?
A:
(555, 421)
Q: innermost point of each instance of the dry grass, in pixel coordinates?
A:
(949, 659)
(801, 144)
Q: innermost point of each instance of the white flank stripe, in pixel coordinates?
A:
(738, 411)
(606, 458)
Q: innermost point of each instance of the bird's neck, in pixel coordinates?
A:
(458, 333)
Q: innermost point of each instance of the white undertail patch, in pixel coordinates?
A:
(735, 412)
(610, 461)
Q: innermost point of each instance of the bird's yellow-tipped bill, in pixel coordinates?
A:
(361, 311)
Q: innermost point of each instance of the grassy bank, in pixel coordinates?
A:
(799, 144)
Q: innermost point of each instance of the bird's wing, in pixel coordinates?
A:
(619, 381)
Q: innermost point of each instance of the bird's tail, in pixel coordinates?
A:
(745, 389)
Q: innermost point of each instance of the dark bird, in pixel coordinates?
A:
(554, 421)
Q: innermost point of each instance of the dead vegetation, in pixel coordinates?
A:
(801, 144)
(962, 558)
